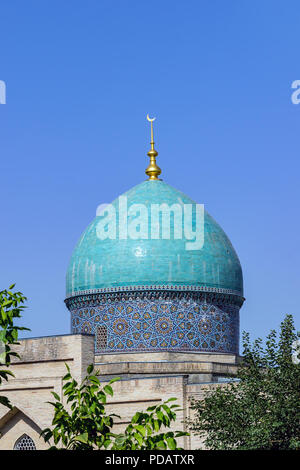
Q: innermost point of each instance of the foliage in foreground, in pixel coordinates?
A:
(10, 308)
(262, 409)
(83, 423)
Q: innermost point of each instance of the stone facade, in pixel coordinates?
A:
(145, 380)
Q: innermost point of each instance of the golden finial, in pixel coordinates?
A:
(153, 171)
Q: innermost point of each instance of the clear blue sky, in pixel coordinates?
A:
(81, 77)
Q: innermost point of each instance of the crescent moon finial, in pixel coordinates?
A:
(150, 119)
(153, 171)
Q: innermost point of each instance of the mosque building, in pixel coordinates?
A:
(152, 309)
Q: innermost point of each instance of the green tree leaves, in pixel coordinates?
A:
(262, 409)
(143, 431)
(84, 424)
(11, 307)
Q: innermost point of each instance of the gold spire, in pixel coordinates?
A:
(153, 171)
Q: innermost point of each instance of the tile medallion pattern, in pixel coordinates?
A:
(158, 321)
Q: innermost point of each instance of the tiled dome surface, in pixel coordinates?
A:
(103, 265)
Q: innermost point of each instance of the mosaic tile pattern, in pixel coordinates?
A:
(166, 287)
(158, 321)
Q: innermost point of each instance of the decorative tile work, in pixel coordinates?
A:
(103, 298)
(159, 321)
(184, 288)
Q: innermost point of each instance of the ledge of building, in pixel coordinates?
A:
(174, 367)
(167, 356)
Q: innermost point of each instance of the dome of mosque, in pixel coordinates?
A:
(102, 265)
(155, 272)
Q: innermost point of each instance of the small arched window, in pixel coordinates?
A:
(24, 443)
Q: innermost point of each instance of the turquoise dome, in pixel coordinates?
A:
(114, 264)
